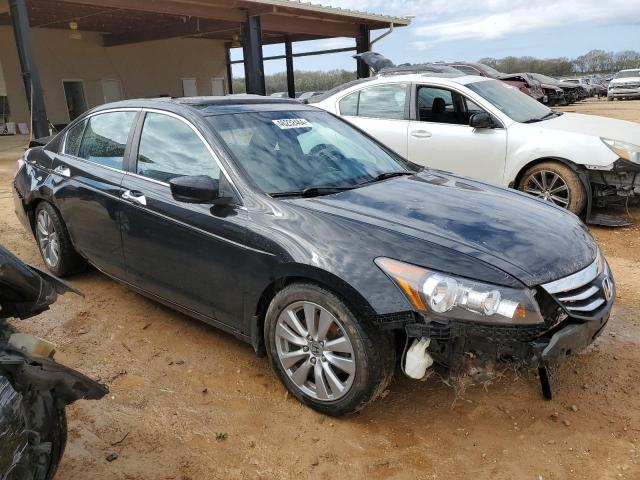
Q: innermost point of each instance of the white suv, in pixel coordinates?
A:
(626, 84)
(485, 129)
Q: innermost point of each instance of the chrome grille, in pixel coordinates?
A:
(584, 293)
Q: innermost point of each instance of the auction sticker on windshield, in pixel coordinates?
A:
(287, 123)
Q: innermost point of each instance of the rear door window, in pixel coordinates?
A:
(105, 138)
(170, 148)
(386, 101)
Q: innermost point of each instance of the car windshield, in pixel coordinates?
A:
(490, 70)
(511, 101)
(301, 151)
(628, 74)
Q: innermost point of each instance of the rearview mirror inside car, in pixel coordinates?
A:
(195, 189)
(480, 120)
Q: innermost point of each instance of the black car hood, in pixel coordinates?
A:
(532, 241)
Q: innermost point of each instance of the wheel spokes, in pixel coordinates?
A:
(321, 386)
(347, 365)
(300, 376)
(310, 319)
(315, 351)
(340, 345)
(287, 334)
(324, 324)
(290, 359)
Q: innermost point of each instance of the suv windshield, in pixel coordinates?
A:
(511, 101)
(628, 74)
(296, 152)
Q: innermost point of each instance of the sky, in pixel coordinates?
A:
(473, 29)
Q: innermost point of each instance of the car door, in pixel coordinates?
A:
(88, 172)
(440, 136)
(382, 111)
(190, 255)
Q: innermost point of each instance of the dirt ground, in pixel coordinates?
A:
(190, 402)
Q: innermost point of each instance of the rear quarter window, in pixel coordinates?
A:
(105, 138)
(73, 139)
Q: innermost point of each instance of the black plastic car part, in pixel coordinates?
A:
(34, 390)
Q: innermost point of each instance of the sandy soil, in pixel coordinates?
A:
(190, 402)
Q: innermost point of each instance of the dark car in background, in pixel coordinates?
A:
(300, 234)
(34, 389)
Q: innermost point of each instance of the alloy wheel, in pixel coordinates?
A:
(549, 186)
(48, 239)
(315, 351)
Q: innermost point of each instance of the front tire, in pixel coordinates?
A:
(325, 356)
(54, 242)
(556, 183)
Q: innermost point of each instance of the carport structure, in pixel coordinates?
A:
(249, 24)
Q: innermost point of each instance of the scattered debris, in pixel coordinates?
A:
(221, 436)
(121, 440)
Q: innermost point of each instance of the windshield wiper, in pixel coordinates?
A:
(548, 115)
(310, 192)
(384, 176)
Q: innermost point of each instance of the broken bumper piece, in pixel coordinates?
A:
(464, 345)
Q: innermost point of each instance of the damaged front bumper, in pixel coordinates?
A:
(576, 309)
(616, 185)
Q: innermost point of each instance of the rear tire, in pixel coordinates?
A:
(556, 183)
(323, 385)
(54, 242)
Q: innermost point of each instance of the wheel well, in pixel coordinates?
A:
(537, 161)
(360, 307)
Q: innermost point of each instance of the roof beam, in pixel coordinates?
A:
(191, 26)
(169, 7)
(292, 25)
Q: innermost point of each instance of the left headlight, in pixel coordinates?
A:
(445, 296)
(627, 151)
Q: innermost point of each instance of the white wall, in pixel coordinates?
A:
(145, 69)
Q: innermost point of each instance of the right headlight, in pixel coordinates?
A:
(446, 296)
(627, 151)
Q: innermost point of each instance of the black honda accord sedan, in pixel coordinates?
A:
(302, 235)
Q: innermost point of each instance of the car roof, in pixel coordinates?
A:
(213, 105)
(406, 77)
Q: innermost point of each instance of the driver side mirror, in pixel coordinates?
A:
(481, 120)
(195, 189)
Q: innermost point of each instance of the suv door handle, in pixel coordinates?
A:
(134, 197)
(421, 134)
(62, 171)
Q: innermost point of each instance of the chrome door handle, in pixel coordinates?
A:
(62, 171)
(134, 197)
(420, 134)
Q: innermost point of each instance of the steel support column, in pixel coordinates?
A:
(363, 44)
(30, 76)
(291, 81)
(253, 62)
(227, 54)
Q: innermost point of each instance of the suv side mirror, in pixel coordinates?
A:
(195, 189)
(481, 120)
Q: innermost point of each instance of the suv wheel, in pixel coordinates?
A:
(325, 357)
(54, 242)
(556, 183)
